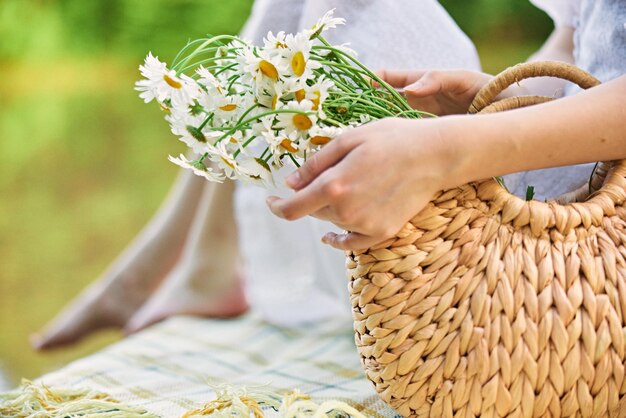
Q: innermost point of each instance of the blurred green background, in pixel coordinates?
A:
(83, 160)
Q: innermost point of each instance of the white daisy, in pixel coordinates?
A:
(257, 64)
(280, 144)
(322, 135)
(268, 94)
(296, 57)
(163, 85)
(300, 121)
(257, 172)
(198, 168)
(316, 93)
(225, 160)
(209, 81)
(274, 44)
(186, 127)
(327, 22)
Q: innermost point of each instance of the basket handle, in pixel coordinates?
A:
(487, 95)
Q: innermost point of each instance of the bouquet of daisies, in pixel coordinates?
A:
(245, 110)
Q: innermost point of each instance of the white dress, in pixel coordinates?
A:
(291, 277)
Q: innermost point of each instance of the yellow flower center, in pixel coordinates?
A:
(316, 100)
(300, 95)
(268, 70)
(298, 63)
(302, 122)
(228, 163)
(320, 140)
(228, 107)
(288, 145)
(233, 140)
(171, 82)
(281, 45)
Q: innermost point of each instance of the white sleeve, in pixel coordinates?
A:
(562, 12)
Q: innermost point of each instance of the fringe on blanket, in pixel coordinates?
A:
(32, 400)
(39, 401)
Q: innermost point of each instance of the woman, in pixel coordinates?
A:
(184, 262)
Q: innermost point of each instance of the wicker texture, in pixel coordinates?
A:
(488, 305)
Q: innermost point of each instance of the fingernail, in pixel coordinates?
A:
(294, 179)
(270, 203)
(326, 239)
(415, 86)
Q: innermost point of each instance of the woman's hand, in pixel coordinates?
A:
(372, 180)
(441, 92)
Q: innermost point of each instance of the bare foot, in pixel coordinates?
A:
(107, 303)
(192, 291)
(205, 282)
(131, 279)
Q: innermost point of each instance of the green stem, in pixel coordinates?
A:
(204, 61)
(373, 76)
(201, 49)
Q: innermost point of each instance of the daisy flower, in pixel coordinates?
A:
(198, 168)
(268, 94)
(225, 160)
(327, 22)
(300, 121)
(186, 127)
(256, 64)
(296, 57)
(257, 172)
(229, 108)
(161, 84)
(273, 44)
(280, 144)
(209, 81)
(316, 93)
(322, 135)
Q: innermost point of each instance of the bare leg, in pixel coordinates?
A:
(129, 281)
(205, 282)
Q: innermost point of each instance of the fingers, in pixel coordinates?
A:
(431, 83)
(330, 155)
(400, 78)
(350, 241)
(306, 201)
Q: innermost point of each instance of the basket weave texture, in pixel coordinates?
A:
(489, 305)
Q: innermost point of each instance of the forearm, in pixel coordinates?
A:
(583, 128)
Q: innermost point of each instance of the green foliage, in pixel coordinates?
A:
(513, 19)
(119, 27)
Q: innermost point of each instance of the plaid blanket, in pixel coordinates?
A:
(165, 369)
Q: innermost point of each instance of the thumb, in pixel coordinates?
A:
(431, 83)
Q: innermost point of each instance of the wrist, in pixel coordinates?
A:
(476, 148)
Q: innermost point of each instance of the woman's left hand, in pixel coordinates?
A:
(372, 180)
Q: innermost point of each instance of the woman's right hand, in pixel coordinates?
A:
(441, 92)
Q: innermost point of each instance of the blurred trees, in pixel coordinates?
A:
(515, 20)
(122, 27)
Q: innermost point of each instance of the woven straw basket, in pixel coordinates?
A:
(489, 305)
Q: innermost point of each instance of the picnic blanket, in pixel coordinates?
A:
(172, 367)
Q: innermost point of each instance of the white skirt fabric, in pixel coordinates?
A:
(291, 277)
